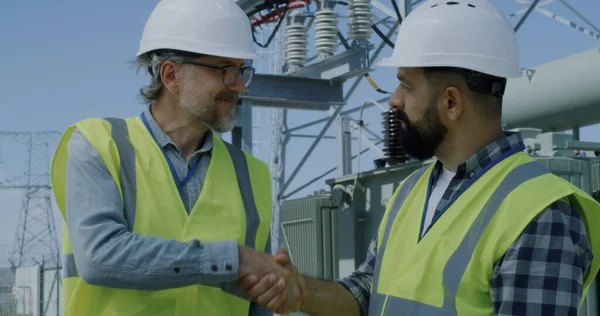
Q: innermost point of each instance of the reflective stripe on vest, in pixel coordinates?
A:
(382, 304)
(120, 135)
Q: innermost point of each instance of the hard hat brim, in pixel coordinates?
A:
(393, 62)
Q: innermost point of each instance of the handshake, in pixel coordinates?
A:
(271, 280)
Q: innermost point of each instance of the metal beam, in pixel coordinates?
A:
(351, 63)
(524, 17)
(384, 8)
(311, 136)
(322, 120)
(364, 137)
(311, 149)
(385, 21)
(290, 92)
(344, 146)
(580, 15)
(364, 127)
(241, 135)
(302, 187)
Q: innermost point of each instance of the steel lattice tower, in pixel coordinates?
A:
(35, 241)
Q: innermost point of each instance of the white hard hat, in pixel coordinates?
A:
(470, 34)
(208, 27)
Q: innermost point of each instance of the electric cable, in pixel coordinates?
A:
(397, 10)
(382, 36)
(272, 36)
(367, 75)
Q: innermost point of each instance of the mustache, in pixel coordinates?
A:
(228, 96)
(400, 115)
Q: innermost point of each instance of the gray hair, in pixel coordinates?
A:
(151, 62)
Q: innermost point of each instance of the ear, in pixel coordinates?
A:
(453, 103)
(168, 75)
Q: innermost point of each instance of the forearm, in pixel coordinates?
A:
(121, 259)
(348, 296)
(329, 298)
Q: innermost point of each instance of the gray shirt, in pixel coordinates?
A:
(106, 254)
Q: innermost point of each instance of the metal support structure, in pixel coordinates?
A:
(372, 144)
(332, 117)
(351, 63)
(345, 146)
(323, 175)
(323, 120)
(241, 135)
(524, 17)
(36, 234)
(311, 136)
(379, 5)
(576, 133)
(36, 240)
(280, 140)
(579, 15)
(289, 92)
(407, 7)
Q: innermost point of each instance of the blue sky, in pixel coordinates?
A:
(62, 61)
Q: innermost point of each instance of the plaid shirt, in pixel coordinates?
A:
(540, 274)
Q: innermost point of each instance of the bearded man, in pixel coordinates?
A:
(485, 229)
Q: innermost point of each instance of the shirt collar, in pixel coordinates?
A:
(165, 141)
(476, 162)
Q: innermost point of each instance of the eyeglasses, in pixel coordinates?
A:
(230, 73)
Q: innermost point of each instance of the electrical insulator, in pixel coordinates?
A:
(392, 138)
(296, 43)
(359, 19)
(326, 28)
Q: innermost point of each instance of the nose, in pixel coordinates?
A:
(396, 101)
(238, 85)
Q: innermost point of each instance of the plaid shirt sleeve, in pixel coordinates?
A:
(359, 282)
(542, 272)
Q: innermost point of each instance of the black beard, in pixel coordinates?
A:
(421, 139)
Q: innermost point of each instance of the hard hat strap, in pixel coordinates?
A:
(485, 84)
(477, 81)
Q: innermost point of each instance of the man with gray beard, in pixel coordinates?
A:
(161, 216)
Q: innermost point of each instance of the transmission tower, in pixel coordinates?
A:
(35, 241)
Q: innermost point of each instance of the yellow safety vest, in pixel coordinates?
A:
(449, 271)
(137, 165)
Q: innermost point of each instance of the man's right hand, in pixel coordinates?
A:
(265, 293)
(260, 268)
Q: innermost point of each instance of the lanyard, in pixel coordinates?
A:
(178, 182)
(463, 188)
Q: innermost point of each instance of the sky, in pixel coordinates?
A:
(63, 61)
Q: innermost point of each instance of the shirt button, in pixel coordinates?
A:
(228, 267)
(214, 267)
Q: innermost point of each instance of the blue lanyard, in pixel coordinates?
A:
(179, 183)
(463, 188)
